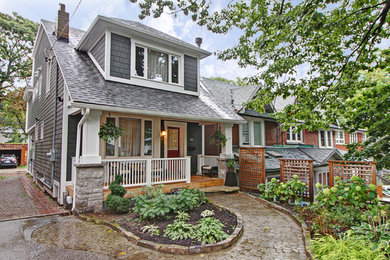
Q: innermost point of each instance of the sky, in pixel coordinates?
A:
(181, 27)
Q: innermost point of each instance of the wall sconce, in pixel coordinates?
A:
(163, 133)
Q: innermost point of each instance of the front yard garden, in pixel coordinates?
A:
(185, 218)
(346, 221)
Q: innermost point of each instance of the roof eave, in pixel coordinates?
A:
(202, 53)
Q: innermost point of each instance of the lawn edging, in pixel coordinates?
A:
(304, 229)
(176, 249)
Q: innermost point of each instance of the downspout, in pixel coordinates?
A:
(78, 137)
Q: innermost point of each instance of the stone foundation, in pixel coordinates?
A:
(222, 168)
(89, 188)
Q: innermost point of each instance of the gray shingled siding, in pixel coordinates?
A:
(98, 51)
(42, 108)
(120, 56)
(190, 73)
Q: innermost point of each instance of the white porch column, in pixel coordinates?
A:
(188, 169)
(227, 130)
(90, 142)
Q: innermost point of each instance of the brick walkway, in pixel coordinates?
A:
(19, 197)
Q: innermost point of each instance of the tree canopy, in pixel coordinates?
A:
(313, 50)
(16, 42)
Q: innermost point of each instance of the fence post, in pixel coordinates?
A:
(373, 176)
(188, 169)
(149, 172)
(330, 174)
(311, 181)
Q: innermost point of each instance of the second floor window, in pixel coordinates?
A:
(293, 135)
(364, 137)
(325, 138)
(340, 137)
(157, 65)
(245, 134)
(353, 138)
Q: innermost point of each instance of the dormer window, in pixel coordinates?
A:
(157, 65)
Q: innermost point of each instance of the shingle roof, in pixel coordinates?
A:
(318, 155)
(87, 85)
(219, 89)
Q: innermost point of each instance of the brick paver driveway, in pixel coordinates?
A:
(20, 198)
(268, 234)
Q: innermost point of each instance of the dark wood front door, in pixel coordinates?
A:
(173, 142)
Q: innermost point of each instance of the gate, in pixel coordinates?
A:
(252, 167)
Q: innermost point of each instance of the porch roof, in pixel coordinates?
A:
(88, 88)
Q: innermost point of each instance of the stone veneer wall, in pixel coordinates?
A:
(89, 188)
(222, 168)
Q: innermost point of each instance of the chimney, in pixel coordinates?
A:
(62, 23)
(198, 41)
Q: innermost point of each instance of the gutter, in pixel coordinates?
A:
(79, 126)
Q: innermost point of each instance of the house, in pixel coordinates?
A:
(261, 129)
(119, 71)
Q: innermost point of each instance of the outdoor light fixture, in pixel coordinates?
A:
(163, 133)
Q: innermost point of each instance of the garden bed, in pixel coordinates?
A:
(130, 222)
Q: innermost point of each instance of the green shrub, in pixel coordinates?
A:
(153, 230)
(209, 230)
(154, 203)
(115, 200)
(275, 190)
(117, 204)
(179, 229)
(345, 248)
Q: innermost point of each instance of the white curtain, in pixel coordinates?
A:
(130, 141)
(157, 66)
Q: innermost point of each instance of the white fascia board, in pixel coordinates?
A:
(155, 113)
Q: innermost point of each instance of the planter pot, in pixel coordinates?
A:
(231, 179)
(380, 191)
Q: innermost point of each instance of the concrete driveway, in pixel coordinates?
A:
(20, 198)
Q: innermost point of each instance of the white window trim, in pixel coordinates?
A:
(36, 132)
(42, 127)
(291, 141)
(48, 76)
(144, 82)
(364, 136)
(252, 133)
(337, 137)
(326, 139)
(355, 136)
(142, 150)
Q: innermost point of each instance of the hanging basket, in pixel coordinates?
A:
(109, 131)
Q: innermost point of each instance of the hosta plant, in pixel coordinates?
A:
(180, 229)
(209, 230)
(152, 230)
(207, 213)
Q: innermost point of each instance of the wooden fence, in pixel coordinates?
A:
(252, 167)
(346, 169)
(303, 169)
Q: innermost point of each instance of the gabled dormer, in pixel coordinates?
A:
(130, 52)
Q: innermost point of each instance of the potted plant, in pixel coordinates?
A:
(231, 179)
(109, 131)
(218, 138)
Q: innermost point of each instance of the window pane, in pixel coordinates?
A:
(329, 138)
(322, 136)
(157, 66)
(245, 134)
(257, 133)
(175, 69)
(299, 137)
(289, 133)
(148, 138)
(110, 144)
(130, 141)
(139, 61)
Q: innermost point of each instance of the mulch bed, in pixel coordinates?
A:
(131, 223)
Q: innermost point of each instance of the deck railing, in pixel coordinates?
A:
(138, 172)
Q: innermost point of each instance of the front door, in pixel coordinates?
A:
(173, 142)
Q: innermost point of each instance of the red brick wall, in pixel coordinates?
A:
(310, 137)
(210, 149)
(236, 136)
(272, 133)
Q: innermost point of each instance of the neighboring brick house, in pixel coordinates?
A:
(119, 71)
(262, 129)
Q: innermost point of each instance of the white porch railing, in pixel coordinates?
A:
(211, 160)
(138, 172)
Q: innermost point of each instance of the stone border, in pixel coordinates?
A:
(304, 229)
(176, 249)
